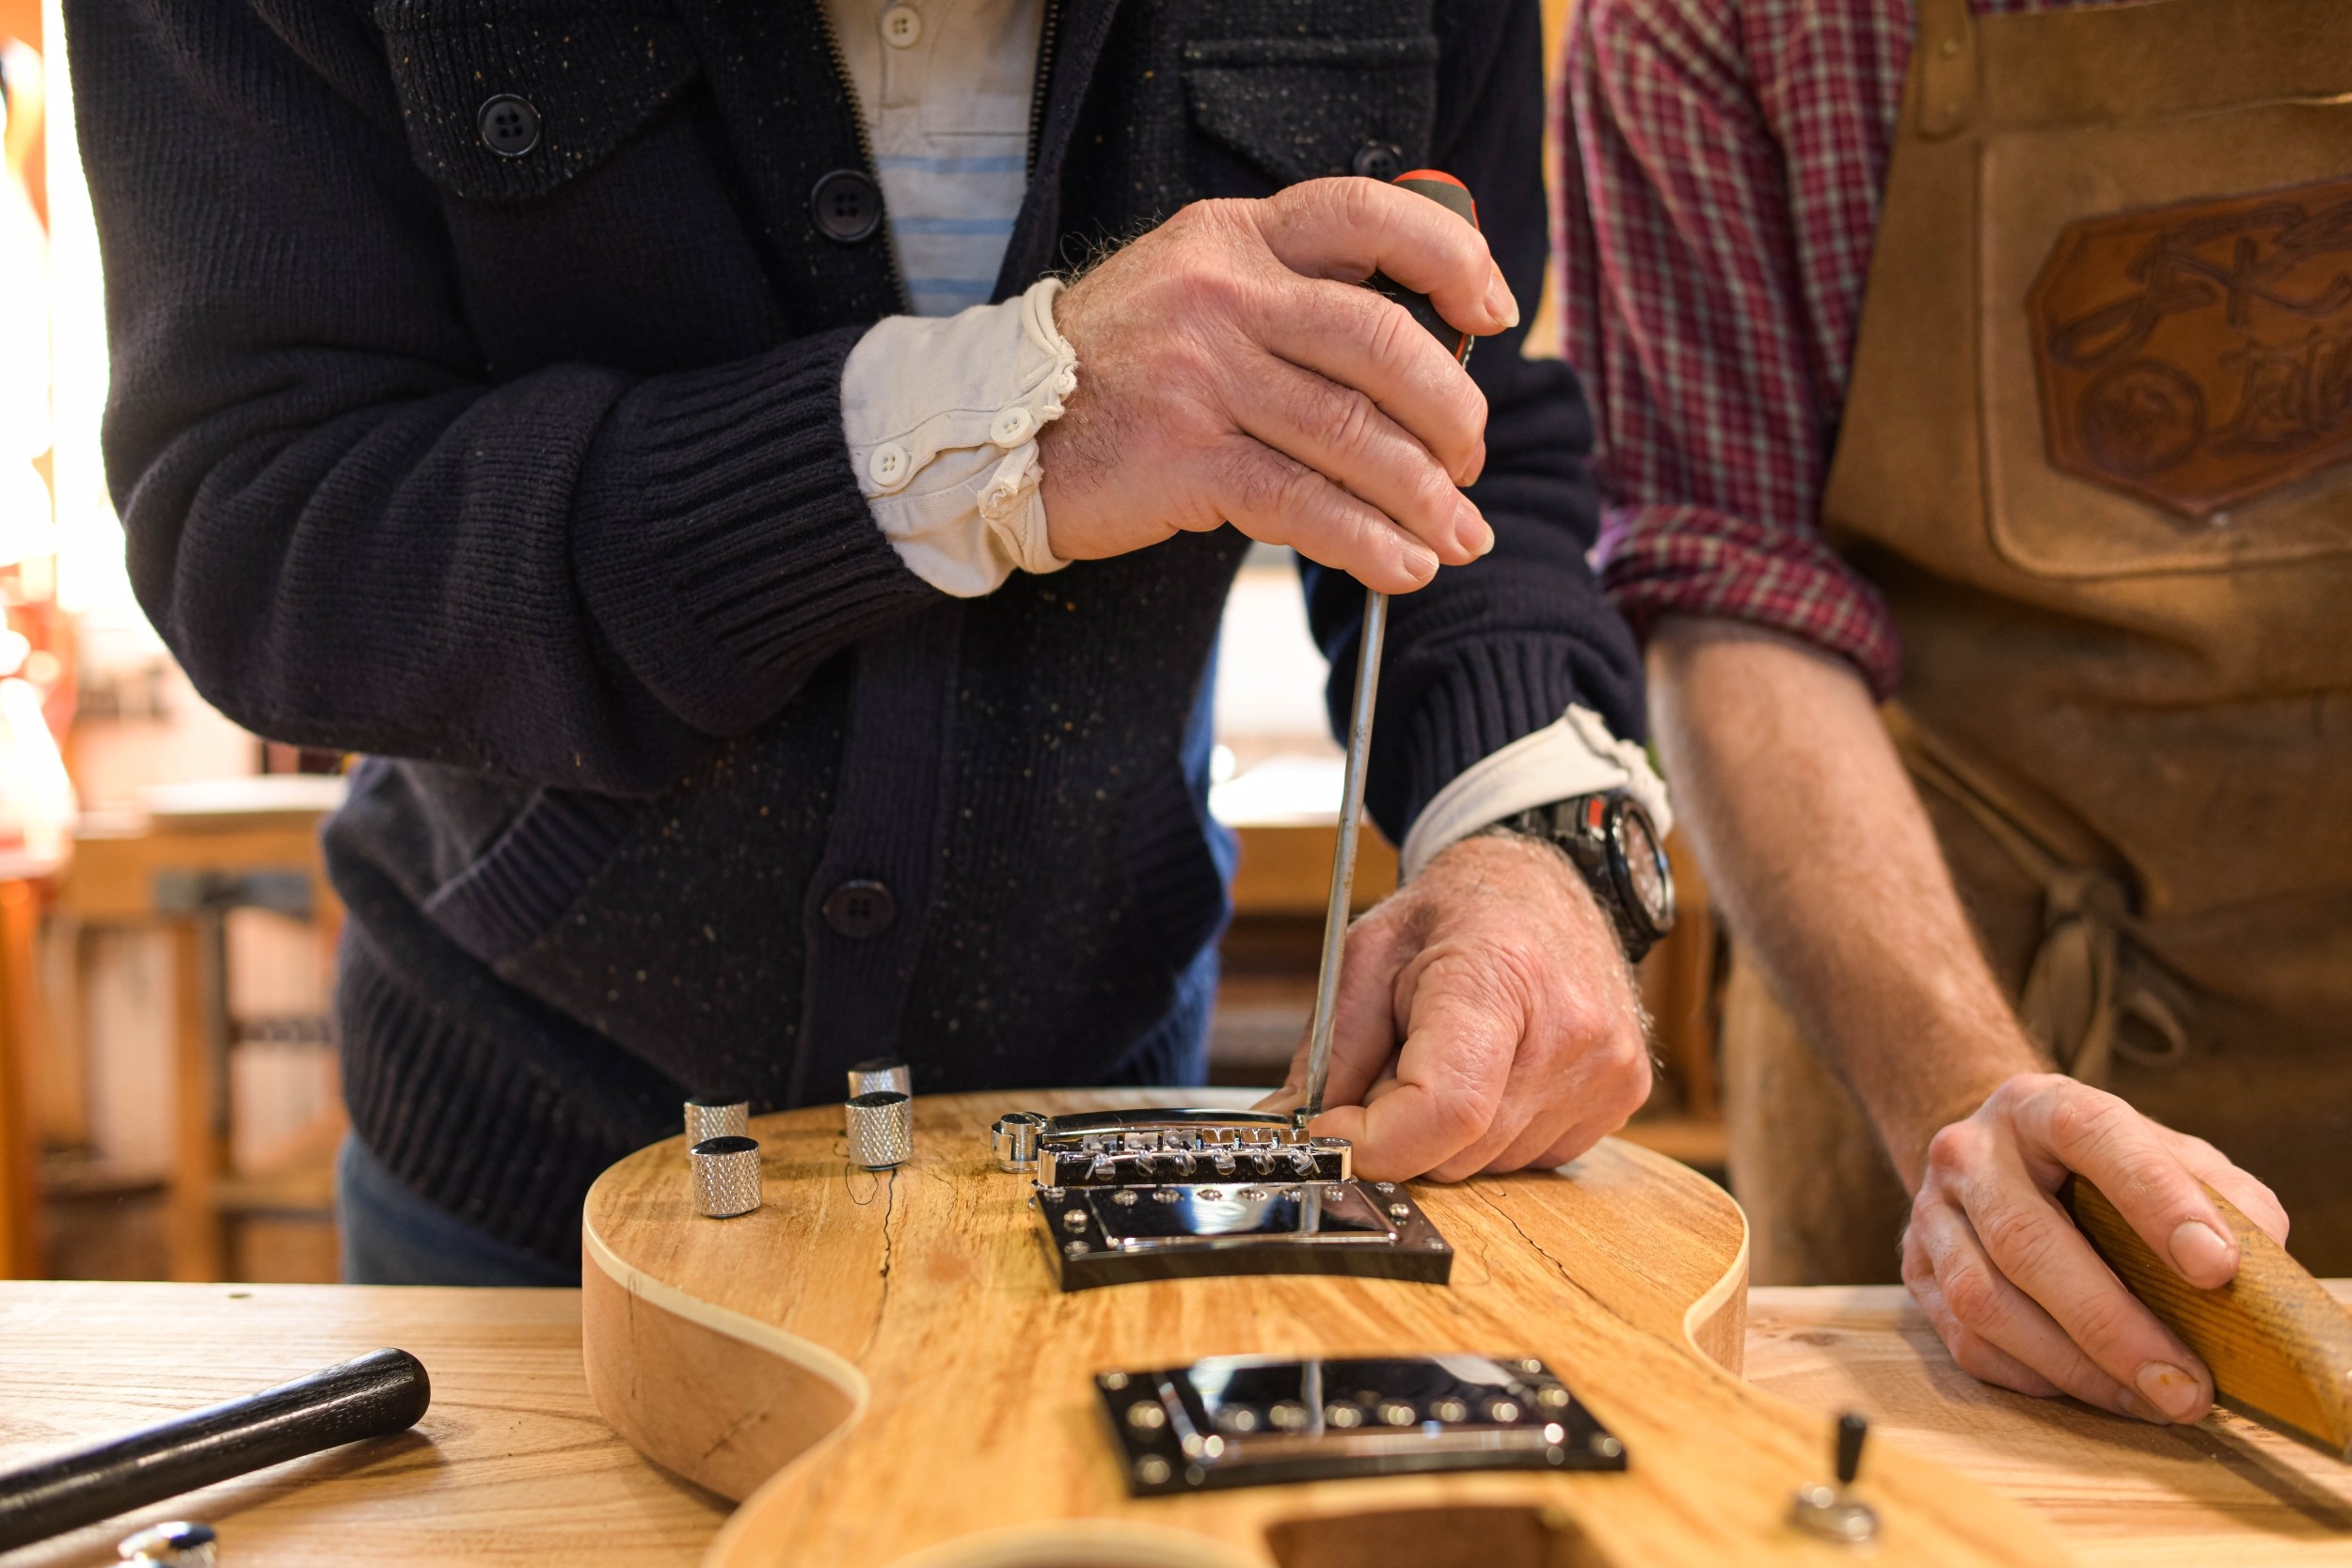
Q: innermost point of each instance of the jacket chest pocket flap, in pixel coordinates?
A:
(589, 78)
(1301, 108)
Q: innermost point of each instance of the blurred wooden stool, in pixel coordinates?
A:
(201, 851)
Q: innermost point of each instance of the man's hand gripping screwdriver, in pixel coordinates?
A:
(1454, 197)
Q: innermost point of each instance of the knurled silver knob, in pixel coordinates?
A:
(716, 1116)
(726, 1177)
(181, 1544)
(881, 1128)
(881, 1075)
(1014, 1138)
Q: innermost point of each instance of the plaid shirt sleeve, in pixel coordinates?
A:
(1719, 189)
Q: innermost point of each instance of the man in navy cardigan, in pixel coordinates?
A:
(766, 664)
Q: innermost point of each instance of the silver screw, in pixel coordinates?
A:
(1605, 1446)
(1146, 1416)
(1152, 1471)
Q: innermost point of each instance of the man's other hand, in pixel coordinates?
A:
(1486, 1022)
(1232, 369)
(2014, 1289)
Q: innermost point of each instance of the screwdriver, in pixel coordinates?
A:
(1453, 196)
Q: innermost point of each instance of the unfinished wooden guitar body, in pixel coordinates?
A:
(884, 1369)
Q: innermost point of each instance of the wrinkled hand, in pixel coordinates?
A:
(1231, 369)
(1486, 1022)
(2014, 1289)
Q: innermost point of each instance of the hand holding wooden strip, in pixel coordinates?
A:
(2275, 1339)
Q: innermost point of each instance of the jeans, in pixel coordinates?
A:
(390, 1236)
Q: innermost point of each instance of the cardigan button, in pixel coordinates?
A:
(509, 125)
(859, 909)
(1379, 160)
(846, 205)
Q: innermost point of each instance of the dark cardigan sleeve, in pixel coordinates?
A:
(348, 535)
(1494, 650)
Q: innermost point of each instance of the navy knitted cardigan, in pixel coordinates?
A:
(525, 475)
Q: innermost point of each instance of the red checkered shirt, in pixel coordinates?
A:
(1721, 172)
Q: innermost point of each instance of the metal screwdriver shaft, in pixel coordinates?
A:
(1447, 192)
(1343, 855)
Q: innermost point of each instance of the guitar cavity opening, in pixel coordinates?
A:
(1457, 1536)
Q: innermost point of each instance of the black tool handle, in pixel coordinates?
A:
(382, 1392)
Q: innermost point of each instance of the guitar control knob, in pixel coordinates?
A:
(1014, 1139)
(726, 1177)
(1834, 1511)
(181, 1544)
(717, 1115)
(881, 1075)
(881, 1128)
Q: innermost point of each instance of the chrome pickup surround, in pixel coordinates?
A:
(1244, 1421)
(1128, 1195)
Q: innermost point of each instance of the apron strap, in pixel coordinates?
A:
(2086, 977)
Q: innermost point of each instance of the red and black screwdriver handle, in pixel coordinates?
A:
(1454, 197)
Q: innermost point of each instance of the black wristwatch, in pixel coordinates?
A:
(1615, 844)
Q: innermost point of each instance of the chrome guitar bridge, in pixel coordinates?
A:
(1125, 1196)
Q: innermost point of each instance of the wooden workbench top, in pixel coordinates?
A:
(512, 1466)
(2227, 1492)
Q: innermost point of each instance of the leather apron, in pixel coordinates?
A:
(2095, 455)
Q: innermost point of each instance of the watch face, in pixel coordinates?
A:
(1646, 873)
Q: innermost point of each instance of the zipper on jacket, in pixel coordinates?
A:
(865, 149)
(1039, 94)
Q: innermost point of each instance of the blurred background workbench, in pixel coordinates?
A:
(512, 1465)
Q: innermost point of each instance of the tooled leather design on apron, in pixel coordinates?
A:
(2199, 355)
(2093, 455)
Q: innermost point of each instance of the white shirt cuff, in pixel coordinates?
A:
(942, 414)
(1575, 755)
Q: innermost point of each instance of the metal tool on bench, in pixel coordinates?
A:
(381, 1393)
(1452, 195)
(178, 1543)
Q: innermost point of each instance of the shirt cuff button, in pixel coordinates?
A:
(890, 465)
(1012, 427)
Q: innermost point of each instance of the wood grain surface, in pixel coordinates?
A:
(2226, 1493)
(895, 1347)
(511, 1466)
(2276, 1342)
